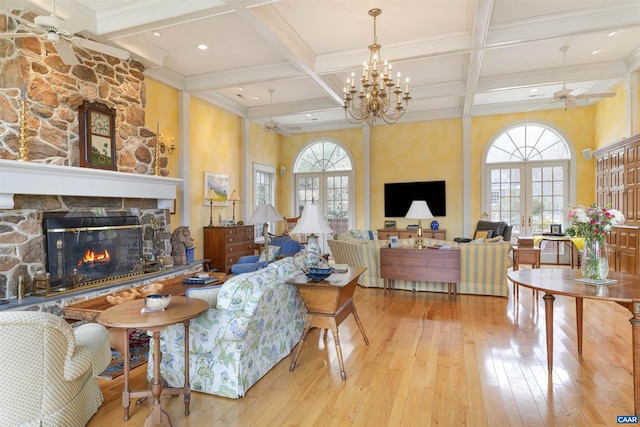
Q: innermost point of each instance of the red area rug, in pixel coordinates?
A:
(139, 352)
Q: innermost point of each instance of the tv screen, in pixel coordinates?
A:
(399, 195)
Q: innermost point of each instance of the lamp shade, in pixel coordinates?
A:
(265, 213)
(311, 221)
(419, 210)
(234, 196)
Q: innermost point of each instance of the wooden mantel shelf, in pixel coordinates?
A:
(46, 179)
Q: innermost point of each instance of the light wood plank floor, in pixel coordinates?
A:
(480, 361)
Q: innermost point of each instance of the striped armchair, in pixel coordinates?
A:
(483, 266)
(48, 370)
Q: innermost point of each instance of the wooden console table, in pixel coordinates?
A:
(329, 302)
(426, 265)
(427, 233)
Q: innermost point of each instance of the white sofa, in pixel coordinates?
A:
(255, 320)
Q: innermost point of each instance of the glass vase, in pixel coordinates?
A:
(594, 263)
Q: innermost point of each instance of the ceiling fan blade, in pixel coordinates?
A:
(571, 103)
(100, 47)
(66, 53)
(596, 95)
(17, 35)
(73, 25)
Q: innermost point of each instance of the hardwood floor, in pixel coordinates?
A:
(480, 361)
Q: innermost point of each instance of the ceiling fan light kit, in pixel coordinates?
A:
(375, 98)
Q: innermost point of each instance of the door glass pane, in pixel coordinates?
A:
(505, 197)
(338, 203)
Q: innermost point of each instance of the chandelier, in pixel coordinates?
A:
(375, 99)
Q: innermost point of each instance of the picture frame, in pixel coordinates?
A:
(393, 241)
(389, 224)
(483, 234)
(216, 185)
(97, 136)
(556, 228)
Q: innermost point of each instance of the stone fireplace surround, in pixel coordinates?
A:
(27, 189)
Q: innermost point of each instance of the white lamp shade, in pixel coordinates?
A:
(234, 196)
(265, 213)
(311, 221)
(419, 210)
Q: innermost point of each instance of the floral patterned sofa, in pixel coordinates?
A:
(255, 320)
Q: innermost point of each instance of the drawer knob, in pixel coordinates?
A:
(230, 249)
(230, 239)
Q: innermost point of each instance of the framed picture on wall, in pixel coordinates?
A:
(216, 189)
(556, 228)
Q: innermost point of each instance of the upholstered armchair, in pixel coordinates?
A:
(493, 229)
(49, 369)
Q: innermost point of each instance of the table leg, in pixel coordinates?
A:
(158, 415)
(307, 326)
(548, 308)
(343, 374)
(579, 323)
(126, 391)
(355, 315)
(635, 342)
(186, 390)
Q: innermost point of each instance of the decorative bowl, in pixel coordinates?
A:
(317, 274)
(157, 301)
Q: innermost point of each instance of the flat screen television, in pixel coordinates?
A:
(399, 195)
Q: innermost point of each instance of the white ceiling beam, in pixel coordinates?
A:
(563, 24)
(478, 26)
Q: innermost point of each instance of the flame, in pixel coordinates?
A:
(91, 256)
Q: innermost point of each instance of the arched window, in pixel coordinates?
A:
(323, 173)
(527, 168)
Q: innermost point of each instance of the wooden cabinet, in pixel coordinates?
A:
(384, 233)
(618, 185)
(224, 245)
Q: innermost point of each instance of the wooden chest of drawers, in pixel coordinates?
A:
(224, 245)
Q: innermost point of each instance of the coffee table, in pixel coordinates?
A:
(329, 302)
(128, 316)
(562, 281)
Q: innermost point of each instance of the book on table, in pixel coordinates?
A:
(195, 280)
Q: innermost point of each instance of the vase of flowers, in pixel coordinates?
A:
(593, 223)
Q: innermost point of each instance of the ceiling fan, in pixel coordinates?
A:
(568, 97)
(272, 126)
(61, 33)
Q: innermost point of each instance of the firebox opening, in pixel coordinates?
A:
(87, 246)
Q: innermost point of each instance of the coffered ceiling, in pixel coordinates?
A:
(463, 57)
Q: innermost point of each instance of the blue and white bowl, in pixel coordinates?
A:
(317, 274)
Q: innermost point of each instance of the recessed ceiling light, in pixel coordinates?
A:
(256, 97)
(157, 34)
(597, 51)
(309, 115)
(611, 34)
(534, 90)
(203, 46)
(240, 89)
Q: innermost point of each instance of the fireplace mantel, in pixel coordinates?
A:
(18, 177)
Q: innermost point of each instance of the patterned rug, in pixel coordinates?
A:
(139, 349)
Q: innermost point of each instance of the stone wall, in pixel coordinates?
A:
(22, 242)
(54, 92)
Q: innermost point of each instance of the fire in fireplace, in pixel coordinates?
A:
(85, 247)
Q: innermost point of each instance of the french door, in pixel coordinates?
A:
(331, 191)
(530, 196)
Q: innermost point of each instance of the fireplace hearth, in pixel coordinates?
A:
(90, 248)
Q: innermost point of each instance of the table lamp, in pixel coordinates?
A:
(265, 214)
(311, 222)
(234, 198)
(419, 210)
(211, 194)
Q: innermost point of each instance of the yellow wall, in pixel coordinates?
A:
(215, 146)
(422, 151)
(611, 118)
(162, 109)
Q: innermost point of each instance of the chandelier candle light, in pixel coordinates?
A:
(419, 210)
(375, 97)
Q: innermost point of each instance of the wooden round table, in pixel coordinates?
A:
(129, 316)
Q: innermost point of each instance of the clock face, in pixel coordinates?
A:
(100, 124)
